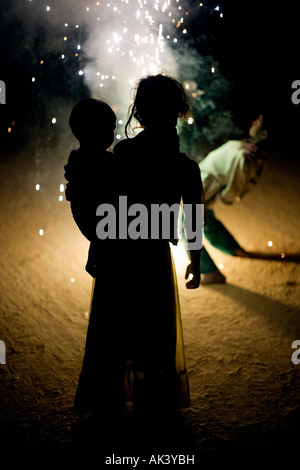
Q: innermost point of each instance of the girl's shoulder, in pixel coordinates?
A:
(125, 145)
(188, 162)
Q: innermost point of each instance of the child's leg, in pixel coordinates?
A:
(218, 235)
(207, 265)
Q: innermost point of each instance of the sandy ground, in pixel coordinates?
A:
(244, 386)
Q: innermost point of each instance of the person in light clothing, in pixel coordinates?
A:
(228, 173)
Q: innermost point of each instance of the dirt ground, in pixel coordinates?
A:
(238, 336)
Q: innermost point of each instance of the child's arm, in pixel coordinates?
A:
(193, 270)
(78, 193)
(194, 195)
(84, 215)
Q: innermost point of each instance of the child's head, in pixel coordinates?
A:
(93, 122)
(159, 101)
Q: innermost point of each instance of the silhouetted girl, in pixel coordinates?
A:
(134, 348)
(153, 171)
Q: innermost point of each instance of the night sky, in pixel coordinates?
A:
(241, 57)
(254, 45)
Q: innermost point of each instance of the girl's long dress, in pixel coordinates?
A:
(134, 347)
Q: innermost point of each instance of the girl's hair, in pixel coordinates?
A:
(159, 100)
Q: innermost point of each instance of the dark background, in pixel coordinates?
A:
(255, 46)
(259, 48)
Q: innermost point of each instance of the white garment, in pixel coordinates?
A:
(231, 170)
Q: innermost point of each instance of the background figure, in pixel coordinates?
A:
(229, 172)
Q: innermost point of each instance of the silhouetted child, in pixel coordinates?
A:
(154, 171)
(89, 168)
(134, 347)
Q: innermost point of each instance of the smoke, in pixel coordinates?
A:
(101, 49)
(127, 43)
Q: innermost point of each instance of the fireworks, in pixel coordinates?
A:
(117, 42)
(105, 46)
(108, 46)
